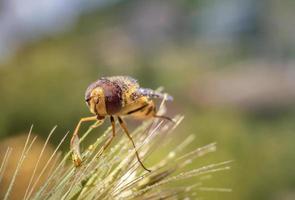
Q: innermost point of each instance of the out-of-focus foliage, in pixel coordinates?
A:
(228, 64)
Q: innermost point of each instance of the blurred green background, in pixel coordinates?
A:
(229, 64)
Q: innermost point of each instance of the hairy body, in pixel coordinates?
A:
(115, 97)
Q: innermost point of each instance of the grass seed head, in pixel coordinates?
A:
(117, 174)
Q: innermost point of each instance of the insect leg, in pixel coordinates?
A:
(108, 142)
(153, 111)
(124, 127)
(137, 109)
(164, 117)
(76, 156)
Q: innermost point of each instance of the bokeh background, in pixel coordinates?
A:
(230, 65)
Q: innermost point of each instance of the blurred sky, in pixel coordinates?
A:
(23, 21)
(228, 21)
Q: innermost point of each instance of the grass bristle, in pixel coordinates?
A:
(117, 174)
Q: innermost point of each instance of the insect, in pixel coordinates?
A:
(115, 97)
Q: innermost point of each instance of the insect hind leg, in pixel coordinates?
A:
(147, 110)
(164, 117)
(151, 111)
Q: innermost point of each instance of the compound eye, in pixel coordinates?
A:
(88, 101)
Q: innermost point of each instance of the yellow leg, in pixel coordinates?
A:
(108, 142)
(76, 156)
(124, 127)
(85, 119)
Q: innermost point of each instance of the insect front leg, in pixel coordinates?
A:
(75, 141)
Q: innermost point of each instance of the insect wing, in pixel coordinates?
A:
(153, 94)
